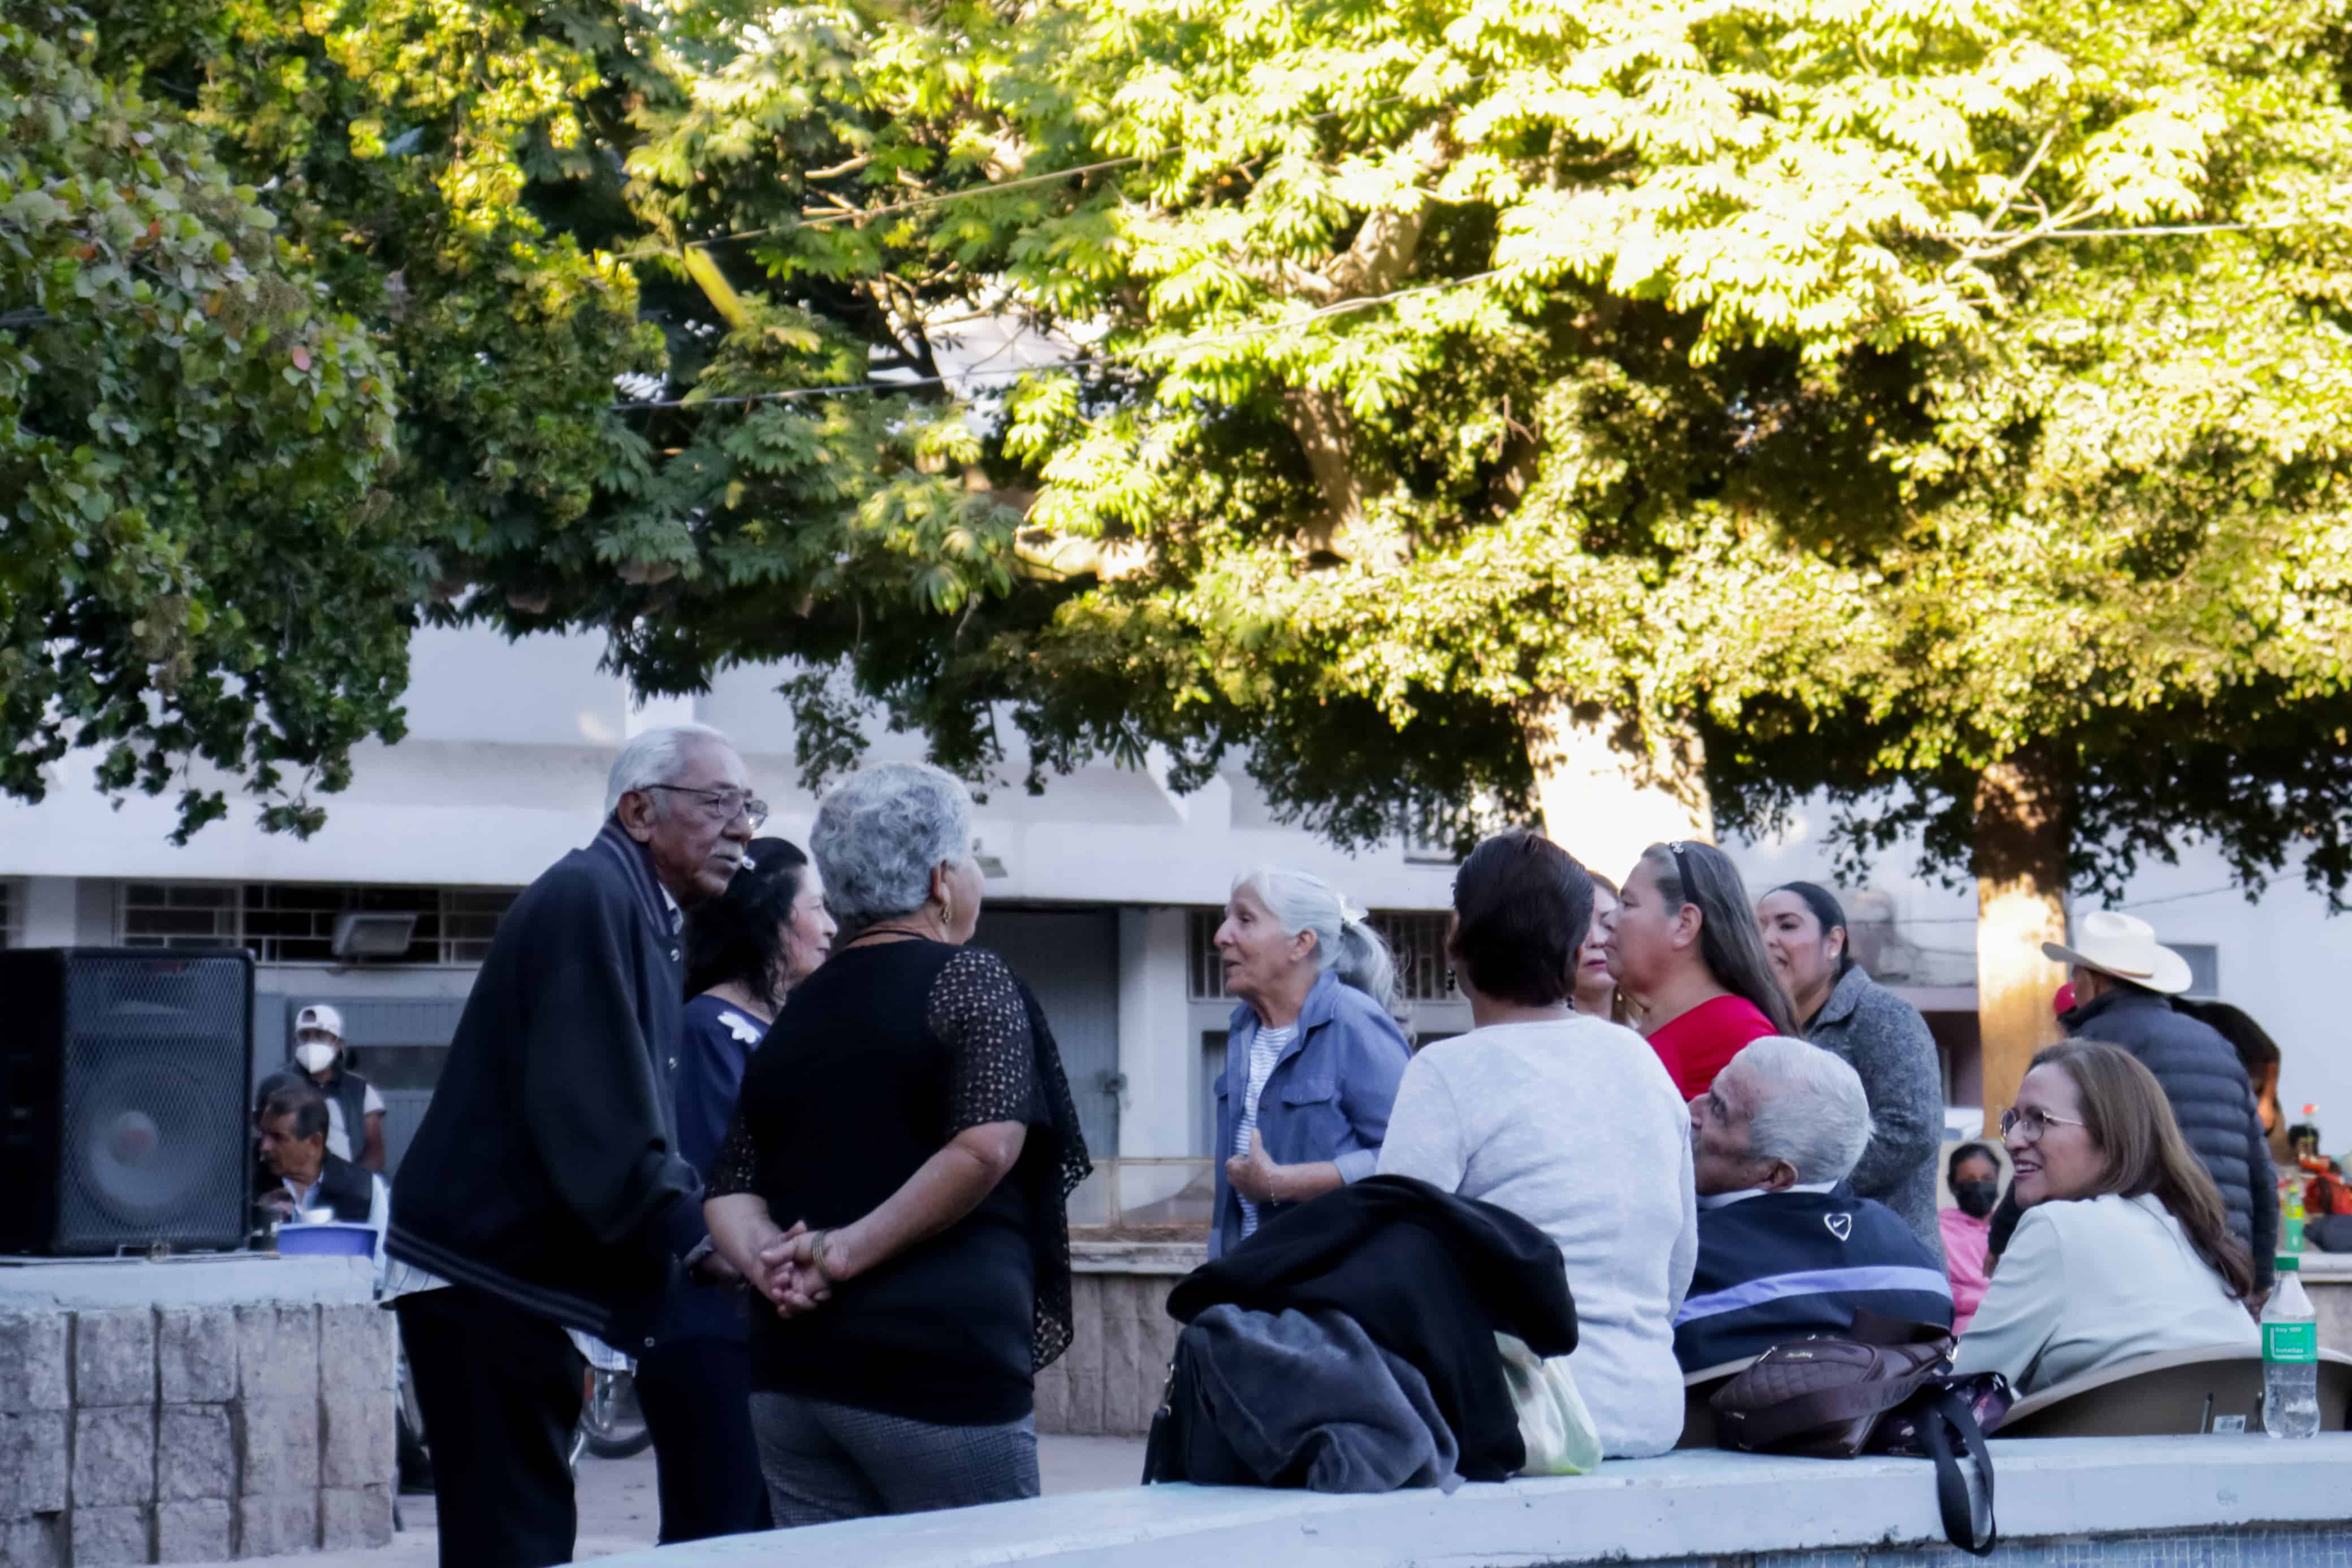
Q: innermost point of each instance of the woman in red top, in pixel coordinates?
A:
(1687, 950)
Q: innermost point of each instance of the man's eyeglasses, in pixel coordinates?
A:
(722, 805)
(2035, 1121)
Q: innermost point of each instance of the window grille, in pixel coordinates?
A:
(1418, 943)
(294, 922)
(1208, 969)
(2204, 967)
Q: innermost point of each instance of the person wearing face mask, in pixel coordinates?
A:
(1974, 1176)
(351, 1100)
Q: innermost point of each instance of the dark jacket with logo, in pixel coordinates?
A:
(2211, 1099)
(1781, 1265)
(546, 1169)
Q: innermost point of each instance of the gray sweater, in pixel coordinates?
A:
(1882, 1038)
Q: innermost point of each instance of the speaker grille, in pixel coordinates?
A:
(154, 1145)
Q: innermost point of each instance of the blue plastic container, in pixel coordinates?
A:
(333, 1238)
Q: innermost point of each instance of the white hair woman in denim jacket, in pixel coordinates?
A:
(1313, 1054)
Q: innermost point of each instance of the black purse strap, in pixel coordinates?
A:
(1968, 1517)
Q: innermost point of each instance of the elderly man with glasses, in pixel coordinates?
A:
(1785, 1247)
(544, 1190)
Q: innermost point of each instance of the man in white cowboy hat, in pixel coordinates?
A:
(2124, 982)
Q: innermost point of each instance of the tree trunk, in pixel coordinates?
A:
(1605, 798)
(2020, 866)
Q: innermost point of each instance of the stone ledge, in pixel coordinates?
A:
(226, 1279)
(1172, 1258)
(1690, 1505)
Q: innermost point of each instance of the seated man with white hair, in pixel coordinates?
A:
(1785, 1250)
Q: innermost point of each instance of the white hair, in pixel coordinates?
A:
(1300, 901)
(1809, 1108)
(656, 757)
(879, 833)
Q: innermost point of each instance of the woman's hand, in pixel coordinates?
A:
(1255, 1175)
(802, 1266)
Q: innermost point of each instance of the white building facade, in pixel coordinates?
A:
(1102, 893)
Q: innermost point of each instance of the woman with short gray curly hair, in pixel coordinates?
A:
(894, 839)
(908, 1120)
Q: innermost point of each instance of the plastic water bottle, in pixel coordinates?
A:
(2290, 1356)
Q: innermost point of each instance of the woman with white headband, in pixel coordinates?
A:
(1313, 1054)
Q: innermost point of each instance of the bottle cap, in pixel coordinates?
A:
(2290, 1262)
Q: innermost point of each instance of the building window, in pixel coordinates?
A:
(1417, 938)
(294, 922)
(1208, 969)
(2204, 967)
(1418, 942)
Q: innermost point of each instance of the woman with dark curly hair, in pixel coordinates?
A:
(745, 950)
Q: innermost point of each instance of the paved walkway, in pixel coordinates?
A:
(618, 1511)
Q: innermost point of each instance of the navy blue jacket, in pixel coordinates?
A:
(1328, 1097)
(715, 1045)
(1781, 1265)
(546, 1169)
(2211, 1099)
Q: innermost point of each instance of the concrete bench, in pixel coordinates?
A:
(2224, 1499)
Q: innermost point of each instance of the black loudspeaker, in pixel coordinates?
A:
(123, 1082)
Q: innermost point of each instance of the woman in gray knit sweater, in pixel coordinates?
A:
(1879, 1035)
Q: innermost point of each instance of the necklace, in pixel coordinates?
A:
(890, 931)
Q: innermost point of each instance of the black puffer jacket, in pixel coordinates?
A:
(2210, 1098)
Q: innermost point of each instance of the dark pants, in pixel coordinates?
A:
(500, 1392)
(696, 1395)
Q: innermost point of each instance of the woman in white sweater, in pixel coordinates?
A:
(2123, 1250)
(1569, 1122)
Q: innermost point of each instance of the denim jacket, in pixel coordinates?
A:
(1327, 1099)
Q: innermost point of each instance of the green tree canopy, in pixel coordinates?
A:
(1861, 393)
(1876, 396)
(195, 560)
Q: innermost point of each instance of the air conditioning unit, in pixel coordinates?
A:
(373, 935)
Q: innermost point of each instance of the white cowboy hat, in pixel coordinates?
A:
(2126, 947)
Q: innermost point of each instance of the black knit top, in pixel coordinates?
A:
(877, 1061)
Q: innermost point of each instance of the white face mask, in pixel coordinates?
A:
(316, 1055)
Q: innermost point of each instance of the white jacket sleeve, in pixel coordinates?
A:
(2021, 1307)
(1424, 1137)
(1683, 1261)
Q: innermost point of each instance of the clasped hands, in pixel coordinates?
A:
(798, 1269)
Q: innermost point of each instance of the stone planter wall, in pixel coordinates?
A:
(175, 1433)
(1107, 1382)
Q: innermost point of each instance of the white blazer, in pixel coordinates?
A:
(2089, 1282)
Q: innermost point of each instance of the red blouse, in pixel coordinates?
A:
(1695, 1045)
